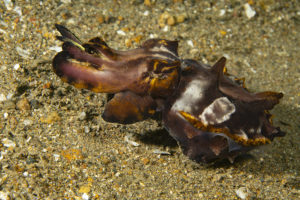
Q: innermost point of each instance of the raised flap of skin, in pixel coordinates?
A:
(127, 107)
(66, 35)
(227, 86)
(161, 45)
(98, 47)
(265, 100)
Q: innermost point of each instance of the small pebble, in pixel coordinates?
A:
(242, 192)
(171, 21)
(146, 13)
(8, 4)
(120, 32)
(249, 11)
(2, 31)
(23, 53)
(162, 19)
(82, 116)
(222, 32)
(18, 10)
(180, 18)
(101, 19)
(3, 23)
(4, 195)
(222, 12)
(145, 161)
(66, 1)
(5, 115)
(152, 36)
(16, 66)
(56, 157)
(9, 96)
(2, 97)
(157, 151)
(133, 143)
(27, 122)
(8, 143)
(25, 174)
(166, 29)
(86, 129)
(147, 2)
(85, 196)
(55, 48)
(2, 67)
(128, 42)
(28, 140)
(190, 43)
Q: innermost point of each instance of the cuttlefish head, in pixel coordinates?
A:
(152, 69)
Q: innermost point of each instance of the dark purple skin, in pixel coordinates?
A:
(139, 78)
(211, 116)
(249, 122)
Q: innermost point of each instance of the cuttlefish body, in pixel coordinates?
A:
(210, 115)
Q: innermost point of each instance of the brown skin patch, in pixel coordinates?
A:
(127, 107)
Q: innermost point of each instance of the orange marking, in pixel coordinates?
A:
(104, 87)
(164, 42)
(64, 79)
(80, 85)
(156, 62)
(225, 70)
(167, 68)
(83, 65)
(242, 80)
(239, 139)
(151, 112)
(104, 46)
(157, 84)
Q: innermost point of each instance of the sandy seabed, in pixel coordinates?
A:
(55, 145)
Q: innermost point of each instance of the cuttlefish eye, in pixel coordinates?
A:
(90, 50)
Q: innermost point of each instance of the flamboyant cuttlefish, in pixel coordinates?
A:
(210, 115)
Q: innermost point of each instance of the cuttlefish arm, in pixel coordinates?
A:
(152, 69)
